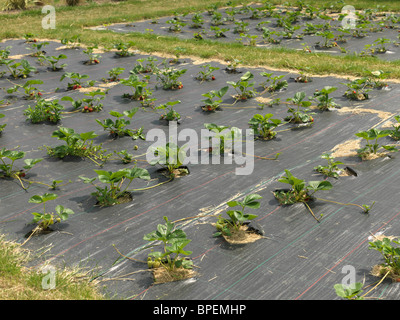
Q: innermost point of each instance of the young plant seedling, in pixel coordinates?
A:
(118, 128)
(391, 256)
(331, 169)
(357, 89)
(77, 80)
(170, 157)
(232, 66)
(17, 70)
(2, 126)
(93, 58)
(71, 43)
(349, 292)
(46, 219)
(44, 110)
(113, 74)
(91, 104)
(77, 145)
(243, 87)
(300, 191)
(170, 114)
(372, 146)
(276, 83)
(29, 91)
(219, 32)
(224, 135)
(53, 62)
(169, 78)
(123, 48)
(263, 126)
(172, 258)
(235, 225)
(395, 132)
(137, 86)
(301, 113)
(38, 48)
(206, 73)
(214, 99)
(7, 167)
(113, 191)
(323, 99)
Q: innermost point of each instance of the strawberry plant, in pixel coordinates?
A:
(91, 104)
(214, 99)
(174, 241)
(170, 157)
(118, 128)
(149, 67)
(247, 39)
(395, 132)
(170, 114)
(175, 25)
(197, 21)
(357, 89)
(323, 99)
(351, 292)
(327, 35)
(390, 254)
(123, 48)
(241, 27)
(276, 83)
(219, 32)
(7, 167)
(125, 156)
(243, 86)
(113, 74)
(376, 80)
(113, 191)
(206, 73)
(301, 113)
(44, 110)
(38, 48)
(2, 126)
(71, 43)
(77, 145)
(45, 219)
(137, 86)
(169, 78)
(225, 136)
(303, 78)
(372, 146)
(300, 190)
(237, 218)
(217, 19)
(53, 61)
(93, 58)
(331, 169)
(232, 65)
(18, 70)
(268, 36)
(29, 91)
(76, 80)
(263, 126)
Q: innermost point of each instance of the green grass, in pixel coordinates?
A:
(17, 282)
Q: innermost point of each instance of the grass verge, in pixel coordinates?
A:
(18, 282)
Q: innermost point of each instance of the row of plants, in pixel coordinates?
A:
(285, 26)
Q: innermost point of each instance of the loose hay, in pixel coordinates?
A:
(162, 275)
(242, 236)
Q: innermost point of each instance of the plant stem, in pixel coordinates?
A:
(345, 204)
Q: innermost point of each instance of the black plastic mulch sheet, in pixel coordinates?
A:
(299, 258)
(301, 38)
